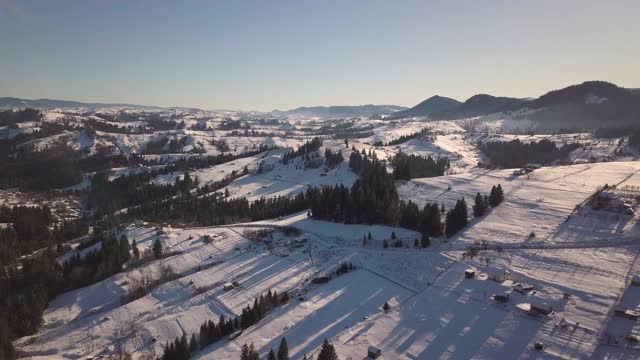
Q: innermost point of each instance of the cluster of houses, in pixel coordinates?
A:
(537, 307)
(527, 168)
(630, 314)
(611, 201)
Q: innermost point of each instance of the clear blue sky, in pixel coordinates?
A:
(263, 55)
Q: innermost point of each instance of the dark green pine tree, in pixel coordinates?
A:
(134, 250)
(283, 350)
(157, 249)
(123, 248)
(425, 241)
(480, 205)
(327, 351)
(496, 195)
(499, 193)
(249, 353)
(272, 355)
(193, 344)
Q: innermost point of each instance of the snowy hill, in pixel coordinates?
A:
(340, 111)
(433, 105)
(565, 236)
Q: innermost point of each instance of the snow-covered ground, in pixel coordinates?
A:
(579, 258)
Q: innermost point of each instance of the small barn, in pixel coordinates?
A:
(470, 273)
(627, 314)
(373, 352)
(522, 288)
(502, 297)
(541, 307)
(227, 286)
(497, 274)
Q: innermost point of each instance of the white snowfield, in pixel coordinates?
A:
(547, 236)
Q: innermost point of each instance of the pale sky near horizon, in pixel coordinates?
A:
(265, 55)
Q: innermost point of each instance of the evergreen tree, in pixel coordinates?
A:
(283, 350)
(157, 249)
(425, 241)
(327, 351)
(499, 193)
(480, 205)
(496, 195)
(193, 344)
(124, 248)
(6, 347)
(393, 235)
(457, 218)
(249, 353)
(134, 249)
(272, 355)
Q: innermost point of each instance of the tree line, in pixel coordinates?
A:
(306, 148)
(516, 153)
(29, 288)
(210, 332)
(408, 167)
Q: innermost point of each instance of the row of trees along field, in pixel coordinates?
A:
(210, 332)
(249, 352)
(372, 199)
(516, 153)
(29, 288)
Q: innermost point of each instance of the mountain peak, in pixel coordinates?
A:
(428, 107)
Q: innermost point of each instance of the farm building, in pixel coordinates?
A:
(522, 288)
(469, 273)
(541, 307)
(627, 314)
(497, 274)
(227, 286)
(502, 297)
(373, 352)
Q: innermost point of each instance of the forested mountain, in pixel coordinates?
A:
(591, 104)
(12, 102)
(478, 105)
(341, 111)
(433, 105)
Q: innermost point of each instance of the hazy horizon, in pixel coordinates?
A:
(252, 55)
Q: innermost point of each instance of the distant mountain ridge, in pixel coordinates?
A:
(434, 104)
(340, 111)
(586, 105)
(478, 105)
(12, 102)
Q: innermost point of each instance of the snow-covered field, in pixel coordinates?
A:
(579, 258)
